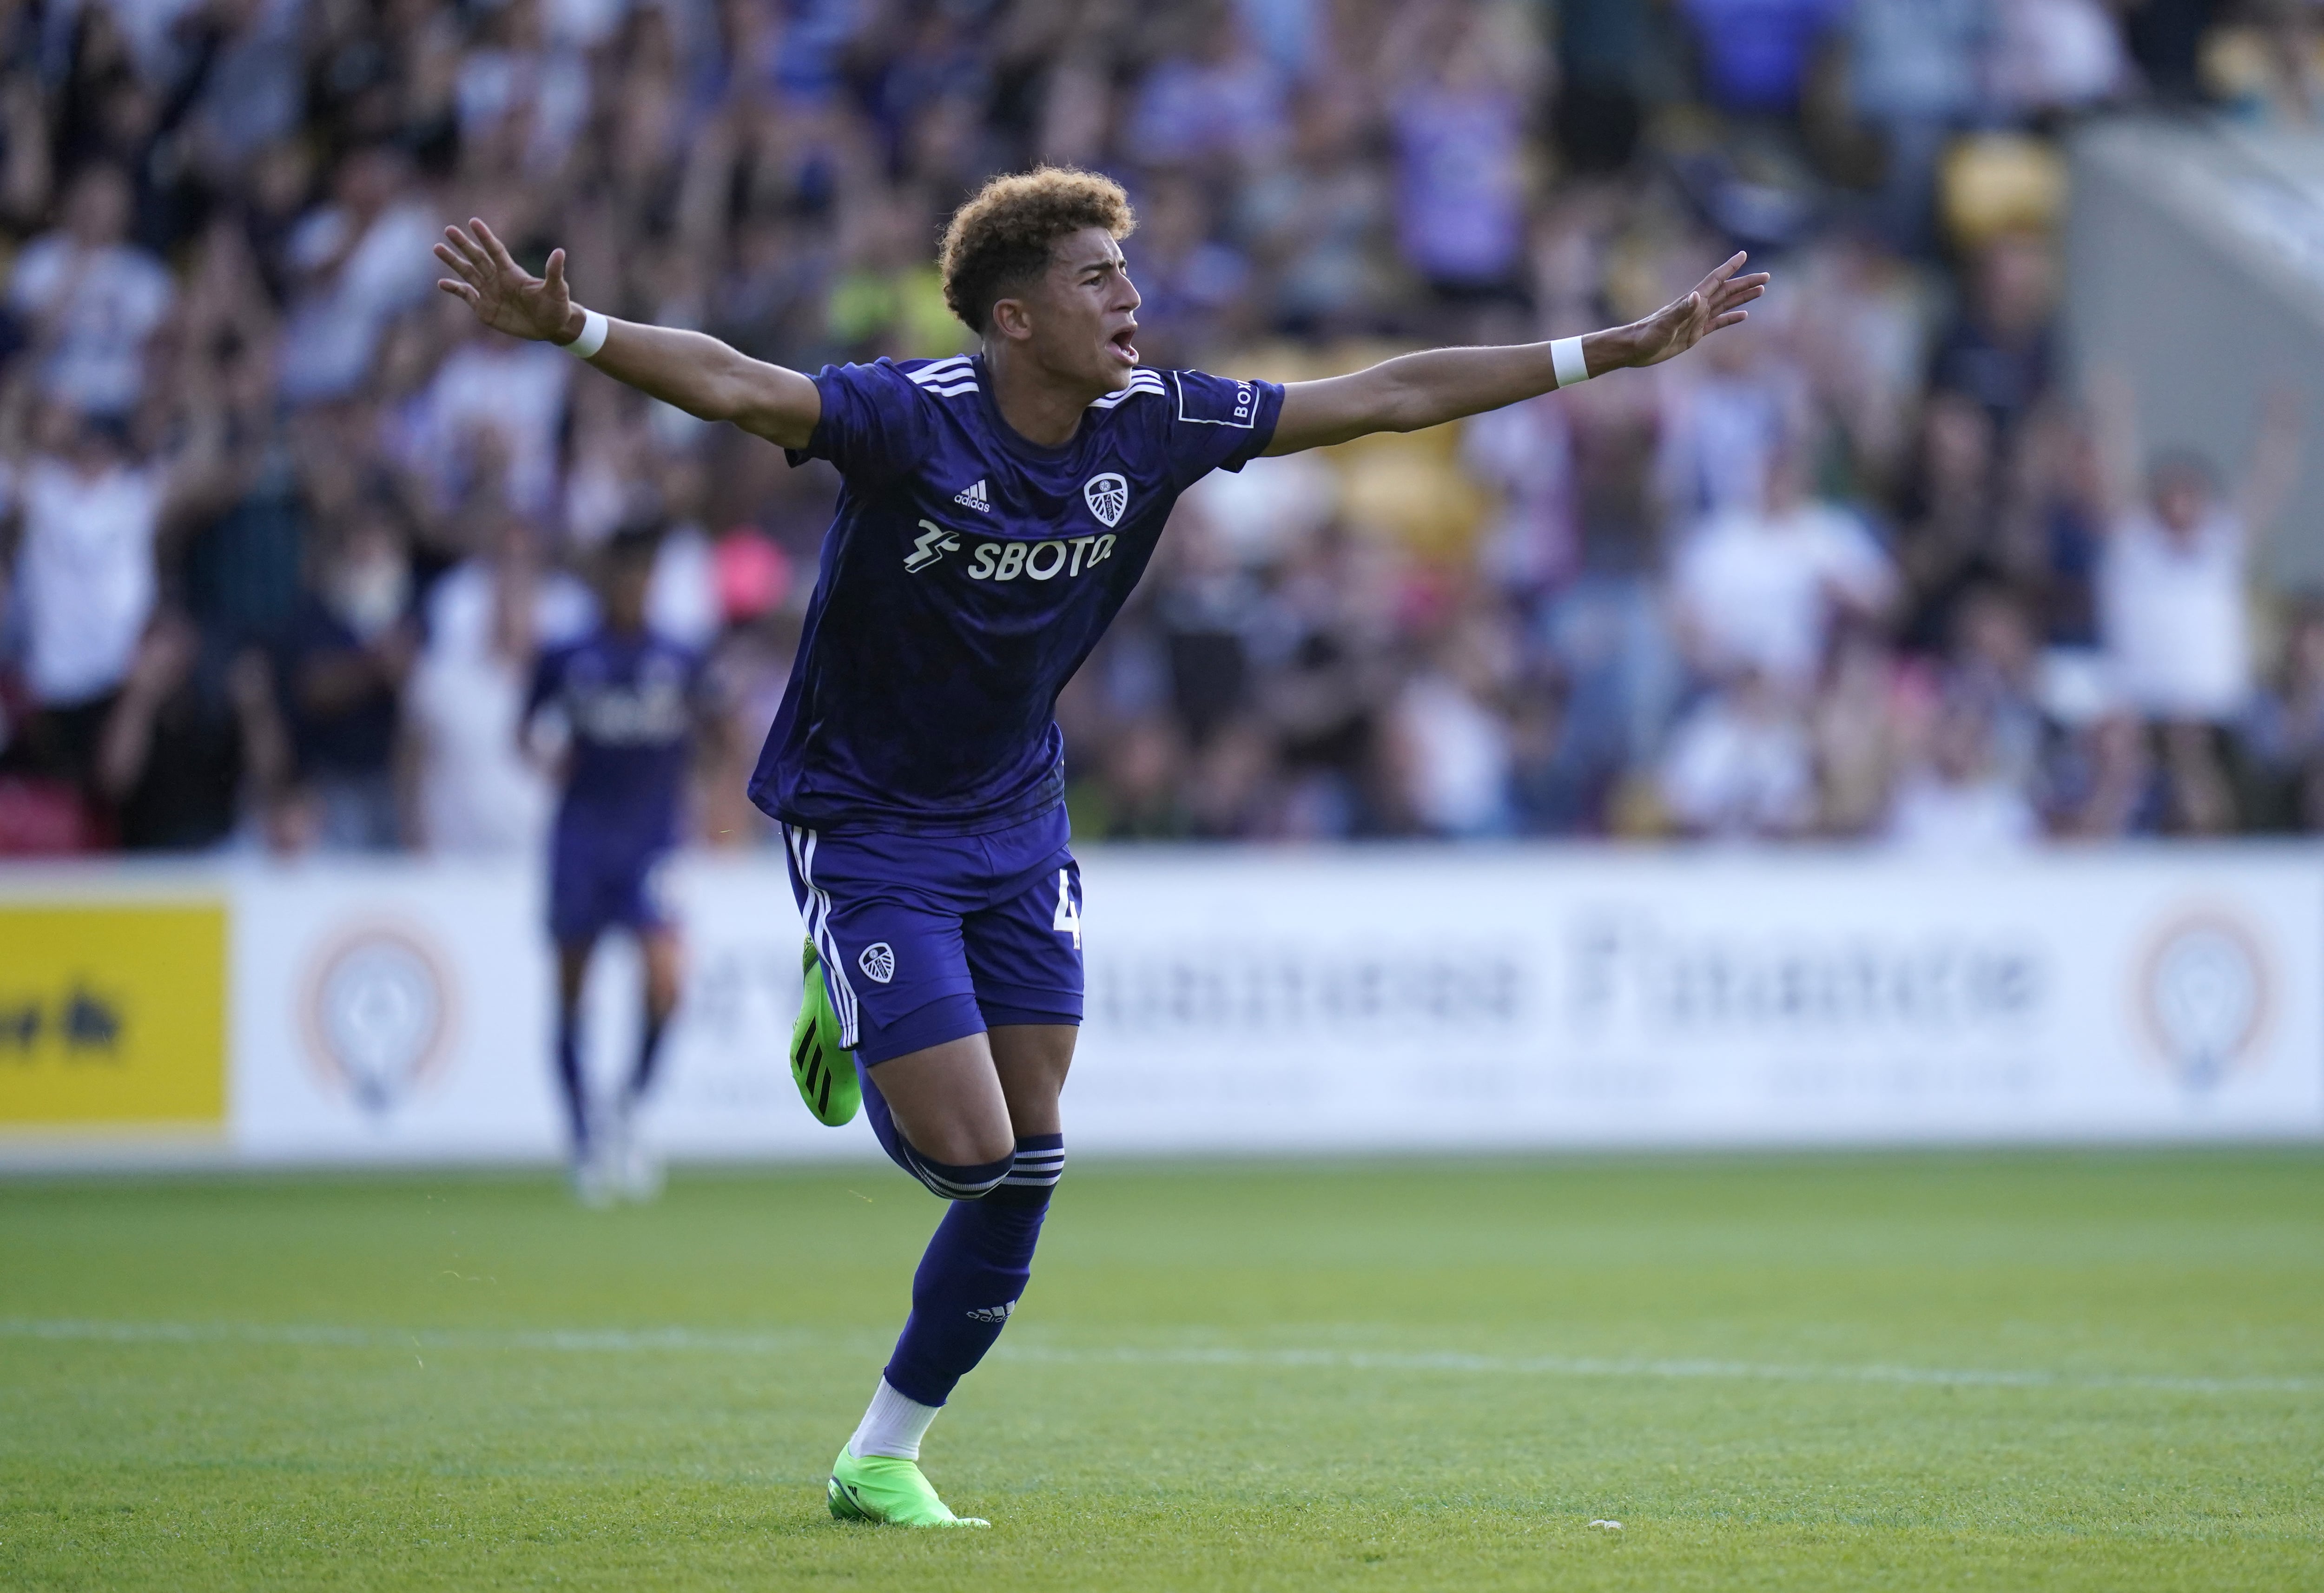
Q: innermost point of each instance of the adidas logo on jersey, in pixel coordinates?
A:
(972, 495)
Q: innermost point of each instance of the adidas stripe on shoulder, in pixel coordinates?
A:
(1141, 381)
(946, 378)
(956, 376)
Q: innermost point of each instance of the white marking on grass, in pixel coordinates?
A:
(605, 1341)
(1737, 1371)
(781, 1341)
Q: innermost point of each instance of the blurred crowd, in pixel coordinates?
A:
(284, 529)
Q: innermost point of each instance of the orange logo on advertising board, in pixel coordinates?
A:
(377, 1009)
(2204, 994)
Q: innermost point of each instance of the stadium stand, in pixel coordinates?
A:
(285, 530)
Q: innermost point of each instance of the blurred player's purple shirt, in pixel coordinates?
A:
(631, 702)
(967, 574)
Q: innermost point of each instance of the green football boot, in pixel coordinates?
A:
(884, 1489)
(824, 1074)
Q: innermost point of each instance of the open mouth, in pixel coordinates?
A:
(1123, 348)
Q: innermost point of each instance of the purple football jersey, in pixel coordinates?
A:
(966, 576)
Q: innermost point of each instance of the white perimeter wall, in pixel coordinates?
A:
(1253, 1000)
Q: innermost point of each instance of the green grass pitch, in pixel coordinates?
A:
(2039, 1370)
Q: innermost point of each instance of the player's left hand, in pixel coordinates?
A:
(1716, 301)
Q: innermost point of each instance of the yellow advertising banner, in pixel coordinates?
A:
(112, 1013)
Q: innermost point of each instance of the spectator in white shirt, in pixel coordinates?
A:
(1959, 803)
(2173, 614)
(1738, 766)
(89, 514)
(359, 262)
(520, 91)
(1758, 587)
(92, 300)
(1723, 421)
(478, 794)
(2054, 55)
(1452, 740)
(494, 382)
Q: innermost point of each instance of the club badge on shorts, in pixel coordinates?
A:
(878, 962)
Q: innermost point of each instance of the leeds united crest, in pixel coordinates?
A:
(1108, 496)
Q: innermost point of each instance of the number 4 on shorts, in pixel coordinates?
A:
(1068, 920)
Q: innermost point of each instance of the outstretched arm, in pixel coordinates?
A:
(699, 374)
(1421, 390)
(2114, 425)
(2275, 460)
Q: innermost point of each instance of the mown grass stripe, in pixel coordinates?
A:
(651, 1340)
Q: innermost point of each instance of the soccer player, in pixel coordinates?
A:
(996, 511)
(629, 702)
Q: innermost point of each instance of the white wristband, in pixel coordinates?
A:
(1566, 359)
(592, 338)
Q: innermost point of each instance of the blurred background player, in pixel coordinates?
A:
(629, 704)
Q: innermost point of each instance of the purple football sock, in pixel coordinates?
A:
(642, 1073)
(568, 1079)
(974, 1271)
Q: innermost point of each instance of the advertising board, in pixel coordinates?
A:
(1394, 998)
(1416, 999)
(112, 1013)
(387, 1011)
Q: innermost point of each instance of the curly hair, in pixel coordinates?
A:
(1000, 239)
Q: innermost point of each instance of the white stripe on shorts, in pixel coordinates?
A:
(818, 929)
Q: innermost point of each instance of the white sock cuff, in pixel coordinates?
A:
(893, 1426)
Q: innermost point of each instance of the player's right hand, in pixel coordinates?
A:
(505, 296)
